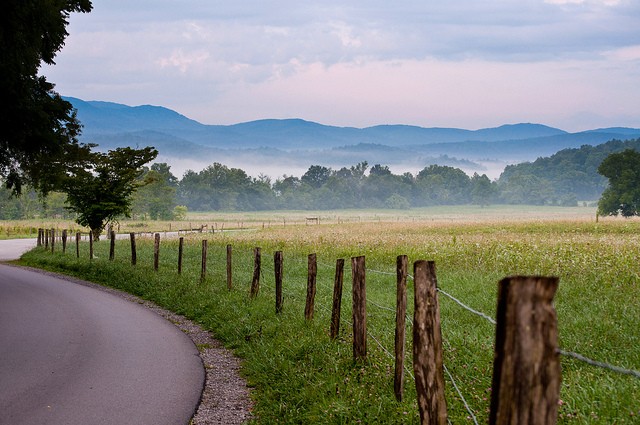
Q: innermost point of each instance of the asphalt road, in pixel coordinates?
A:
(71, 354)
(11, 249)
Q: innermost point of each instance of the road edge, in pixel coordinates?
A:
(225, 397)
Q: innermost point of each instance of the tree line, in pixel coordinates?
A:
(569, 176)
(565, 178)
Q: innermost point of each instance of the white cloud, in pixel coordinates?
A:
(184, 61)
(427, 62)
(630, 53)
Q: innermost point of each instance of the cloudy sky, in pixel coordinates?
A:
(572, 64)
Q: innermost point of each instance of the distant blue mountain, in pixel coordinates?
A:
(295, 140)
(105, 117)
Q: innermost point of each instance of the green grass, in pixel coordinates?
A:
(300, 376)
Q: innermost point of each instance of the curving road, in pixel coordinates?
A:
(71, 354)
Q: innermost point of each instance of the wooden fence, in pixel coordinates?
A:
(526, 370)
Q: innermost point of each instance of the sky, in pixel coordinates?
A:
(570, 64)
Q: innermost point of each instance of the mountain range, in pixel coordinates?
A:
(276, 147)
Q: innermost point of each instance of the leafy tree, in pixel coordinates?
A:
(397, 202)
(523, 188)
(38, 129)
(258, 195)
(380, 170)
(570, 174)
(316, 176)
(180, 212)
(219, 187)
(156, 197)
(101, 190)
(382, 189)
(623, 194)
(442, 185)
(482, 190)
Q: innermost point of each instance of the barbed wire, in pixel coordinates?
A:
(565, 353)
(602, 365)
(466, 307)
(464, 401)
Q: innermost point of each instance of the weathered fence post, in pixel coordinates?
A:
(255, 282)
(40, 232)
(312, 271)
(91, 246)
(359, 308)
(112, 245)
(229, 267)
(64, 241)
(427, 346)
(180, 251)
(337, 299)
(78, 237)
(134, 255)
(203, 269)
(53, 239)
(401, 311)
(46, 239)
(526, 367)
(279, 271)
(156, 251)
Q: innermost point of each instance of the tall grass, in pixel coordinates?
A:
(300, 376)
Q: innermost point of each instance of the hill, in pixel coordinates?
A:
(566, 176)
(291, 145)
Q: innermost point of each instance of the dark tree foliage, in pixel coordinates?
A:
(562, 178)
(316, 176)
(101, 190)
(442, 185)
(220, 188)
(38, 129)
(156, 197)
(623, 194)
(483, 191)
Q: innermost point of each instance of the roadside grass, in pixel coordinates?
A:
(300, 376)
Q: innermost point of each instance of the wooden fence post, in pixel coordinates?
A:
(78, 237)
(46, 239)
(401, 311)
(180, 251)
(337, 299)
(279, 271)
(156, 251)
(40, 232)
(427, 346)
(312, 271)
(91, 246)
(112, 245)
(255, 282)
(359, 308)
(229, 267)
(64, 241)
(203, 269)
(134, 255)
(526, 367)
(53, 239)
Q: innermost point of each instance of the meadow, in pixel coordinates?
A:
(299, 375)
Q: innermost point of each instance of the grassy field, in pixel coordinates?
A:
(264, 219)
(300, 376)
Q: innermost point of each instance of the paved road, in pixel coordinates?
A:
(70, 354)
(11, 249)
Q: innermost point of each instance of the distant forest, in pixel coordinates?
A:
(565, 178)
